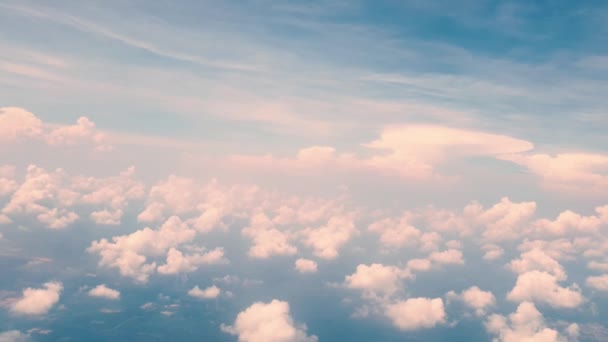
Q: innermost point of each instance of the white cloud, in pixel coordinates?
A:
(537, 260)
(416, 313)
(396, 232)
(598, 266)
(376, 279)
(13, 336)
(177, 262)
(129, 253)
(17, 123)
(265, 322)
(414, 150)
(447, 257)
(306, 265)
(598, 282)
(542, 287)
(106, 217)
(327, 239)
(104, 292)
(567, 172)
(267, 240)
(475, 298)
(38, 301)
(526, 324)
(208, 293)
(492, 252)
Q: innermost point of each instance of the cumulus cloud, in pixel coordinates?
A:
(177, 262)
(598, 282)
(103, 291)
(13, 336)
(537, 260)
(416, 313)
(38, 301)
(475, 298)
(264, 322)
(128, 253)
(329, 238)
(18, 124)
(376, 279)
(574, 172)
(542, 287)
(208, 293)
(306, 266)
(526, 324)
(267, 240)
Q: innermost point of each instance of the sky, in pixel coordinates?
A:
(298, 171)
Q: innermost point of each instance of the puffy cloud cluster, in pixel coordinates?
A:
(38, 301)
(129, 253)
(17, 124)
(526, 324)
(475, 298)
(53, 196)
(542, 287)
(177, 262)
(263, 322)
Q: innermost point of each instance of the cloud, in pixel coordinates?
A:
(537, 260)
(542, 287)
(376, 279)
(13, 336)
(103, 291)
(267, 240)
(414, 150)
(306, 266)
(208, 293)
(17, 123)
(598, 282)
(129, 253)
(20, 125)
(416, 313)
(526, 324)
(447, 257)
(581, 173)
(475, 298)
(177, 262)
(327, 239)
(38, 301)
(263, 322)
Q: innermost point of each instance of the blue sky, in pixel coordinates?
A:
(338, 168)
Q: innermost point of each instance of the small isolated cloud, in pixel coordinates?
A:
(263, 322)
(376, 279)
(208, 293)
(103, 291)
(13, 336)
(416, 313)
(598, 282)
(526, 324)
(475, 298)
(38, 301)
(306, 266)
(542, 287)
